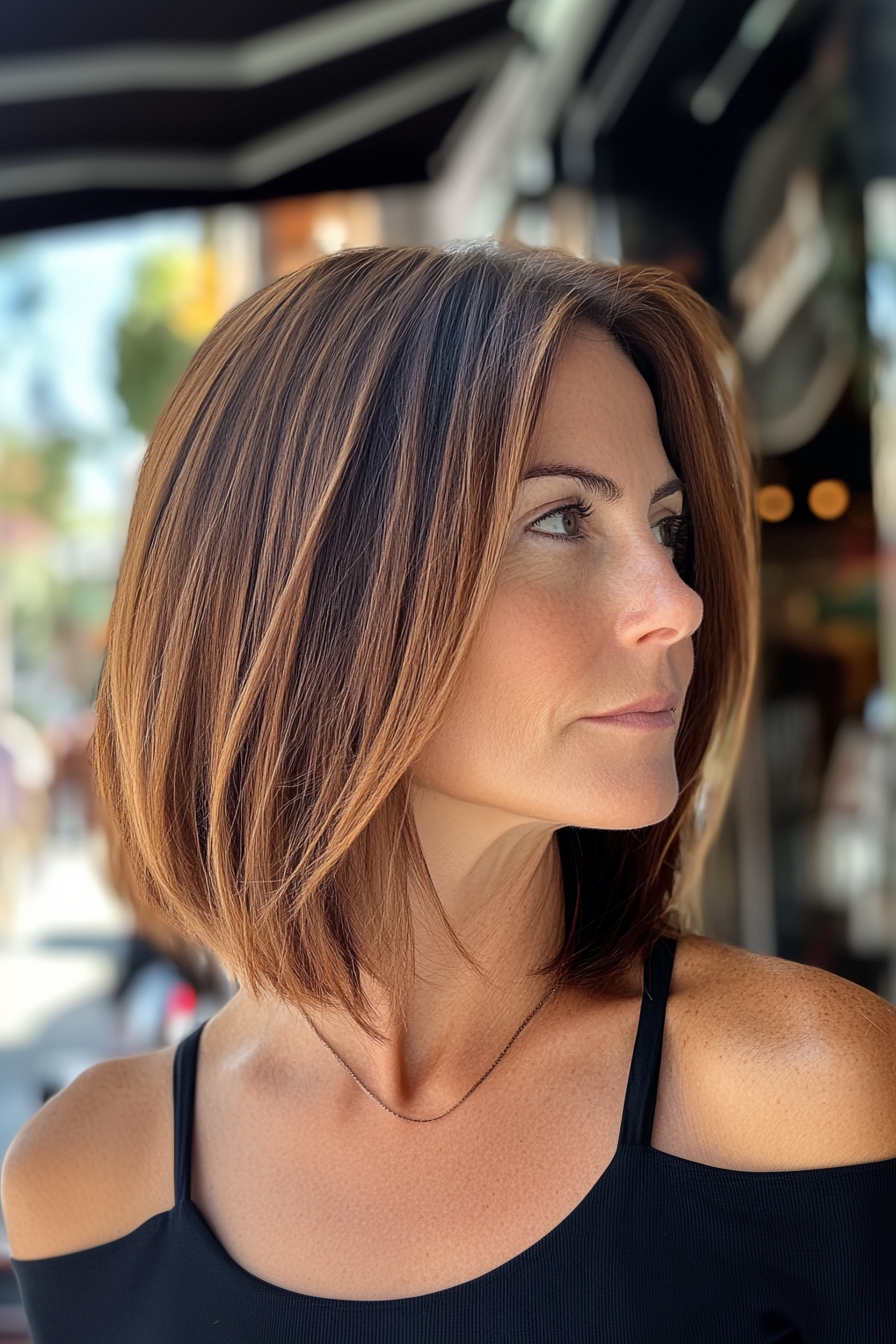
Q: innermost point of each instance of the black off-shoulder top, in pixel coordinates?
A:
(661, 1250)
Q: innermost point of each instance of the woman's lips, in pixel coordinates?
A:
(641, 718)
(654, 711)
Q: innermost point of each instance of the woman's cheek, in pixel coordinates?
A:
(531, 642)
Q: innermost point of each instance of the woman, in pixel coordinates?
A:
(436, 610)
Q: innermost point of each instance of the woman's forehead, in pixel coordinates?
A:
(598, 412)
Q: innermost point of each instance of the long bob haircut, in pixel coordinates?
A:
(317, 527)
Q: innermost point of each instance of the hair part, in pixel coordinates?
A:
(317, 528)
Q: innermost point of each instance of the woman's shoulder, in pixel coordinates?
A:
(773, 1065)
(95, 1161)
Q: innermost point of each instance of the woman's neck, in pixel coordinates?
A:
(500, 887)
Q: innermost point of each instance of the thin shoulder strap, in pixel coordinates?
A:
(640, 1094)
(185, 1058)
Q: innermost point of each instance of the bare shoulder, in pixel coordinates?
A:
(773, 1065)
(95, 1161)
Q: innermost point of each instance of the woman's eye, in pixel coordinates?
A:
(669, 531)
(564, 522)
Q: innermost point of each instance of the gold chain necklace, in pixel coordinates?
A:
(428, 1119)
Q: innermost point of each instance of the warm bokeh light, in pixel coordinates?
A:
(775, 503)
(829, 499)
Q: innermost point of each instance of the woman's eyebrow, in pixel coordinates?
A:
(588, 480)
(673, 487)
(602, 486)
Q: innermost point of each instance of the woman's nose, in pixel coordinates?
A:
(656, 603)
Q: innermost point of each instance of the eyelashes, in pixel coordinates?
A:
(674, 531)
(578, 508)
(677, 532)
(679, 544)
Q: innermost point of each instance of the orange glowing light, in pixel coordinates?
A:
(829, 499)
(775, 503)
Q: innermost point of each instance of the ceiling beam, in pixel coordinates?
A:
(597, 107)
(516, 116)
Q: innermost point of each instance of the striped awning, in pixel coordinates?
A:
(109, 108)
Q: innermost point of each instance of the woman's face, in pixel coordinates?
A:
(570, 702)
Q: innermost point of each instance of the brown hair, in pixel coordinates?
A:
(317, 527)
(196, 963)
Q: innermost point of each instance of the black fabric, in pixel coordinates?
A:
(660, 1251)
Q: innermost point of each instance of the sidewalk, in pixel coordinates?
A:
(61, 949)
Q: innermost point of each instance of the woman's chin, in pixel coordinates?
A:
(625, 808)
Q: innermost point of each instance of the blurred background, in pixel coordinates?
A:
(159, 162)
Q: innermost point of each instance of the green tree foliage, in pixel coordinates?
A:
(35, 476)
(152, 343)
